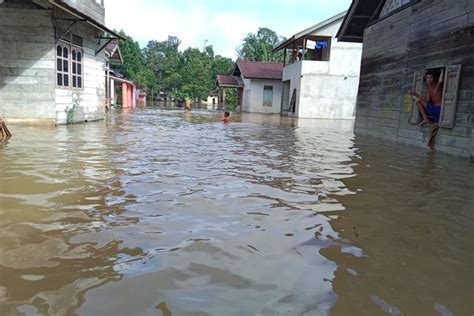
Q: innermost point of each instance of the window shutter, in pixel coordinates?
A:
(450, 96)
(418, 88)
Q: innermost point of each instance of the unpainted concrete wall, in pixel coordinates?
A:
(27, 65)
(327, 89)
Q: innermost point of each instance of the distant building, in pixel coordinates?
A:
(212, 98)
(259, 86)
(53, 60)
(233, 82)
(322, 77)
(403, 39)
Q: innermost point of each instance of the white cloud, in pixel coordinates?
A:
(222, 24)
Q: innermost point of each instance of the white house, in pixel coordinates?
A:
(323, 77)
(258, 85)
(262, 86)
(53, 61)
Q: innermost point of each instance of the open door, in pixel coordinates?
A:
(450, 96)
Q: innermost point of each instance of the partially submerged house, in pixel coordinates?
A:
(259, 85)
(322, 77)
(229, 82)
(129, 94)
(404, 39)
(53, 60)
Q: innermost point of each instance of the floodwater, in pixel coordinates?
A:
(160, 212)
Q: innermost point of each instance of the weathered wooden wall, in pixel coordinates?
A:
(91, 8)
(431, 33)
(27, 65)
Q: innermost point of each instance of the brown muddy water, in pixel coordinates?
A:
(160, 212)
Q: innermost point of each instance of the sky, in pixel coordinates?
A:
(220, 23)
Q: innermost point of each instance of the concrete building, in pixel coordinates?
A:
(52, 60)
(404, 39)
(322, 77)
(258, 85)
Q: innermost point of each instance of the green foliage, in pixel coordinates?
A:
(134, 67)
(71, 111)
(162, 67)
(259, 47)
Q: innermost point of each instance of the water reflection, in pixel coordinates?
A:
(172, 212)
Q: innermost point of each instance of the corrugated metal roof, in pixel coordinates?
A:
(259, 70)
(310, 30)
(229, 81)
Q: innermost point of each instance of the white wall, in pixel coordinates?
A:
(256, 96)
(327, 89)
(91, 99)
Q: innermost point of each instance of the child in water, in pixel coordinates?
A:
(226, 118)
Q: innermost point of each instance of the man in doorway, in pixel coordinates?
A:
(430, 106)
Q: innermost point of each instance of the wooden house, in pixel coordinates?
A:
(259, 86)
(322, 77)
(402, 41)
(53, 61)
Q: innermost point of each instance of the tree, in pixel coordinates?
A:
(258, 47)
(196, 72)
(163, 60)
(133, 67)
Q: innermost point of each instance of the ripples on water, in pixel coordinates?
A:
(169, 212)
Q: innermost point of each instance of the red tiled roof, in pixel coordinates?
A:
(260, 70)
(229, 81)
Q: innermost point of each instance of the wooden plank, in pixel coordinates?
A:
(33, 51)
(28, 63)
(25, 17)
(27, 72)
(450, 93)
(26, 80)
(27, 96)
(418, 88)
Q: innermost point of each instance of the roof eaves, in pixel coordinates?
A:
(64, 6)
(310, 30)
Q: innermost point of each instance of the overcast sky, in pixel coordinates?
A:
(220, 23)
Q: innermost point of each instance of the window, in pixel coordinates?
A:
(448, 91)
(76, 68)
(69, 60)
(267, 95)
(62, 65)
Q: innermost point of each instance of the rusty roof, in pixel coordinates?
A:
(229, 81)
(259, 70)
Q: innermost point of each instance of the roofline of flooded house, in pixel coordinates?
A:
(310, 30)
(121, 79)
(364, 20)
(66, 7)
